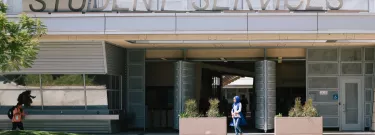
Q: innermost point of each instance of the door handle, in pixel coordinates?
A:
(344, 107)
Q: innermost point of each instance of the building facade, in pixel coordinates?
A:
(101, 59)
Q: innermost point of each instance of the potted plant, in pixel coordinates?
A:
(301, 120)
(192, 123)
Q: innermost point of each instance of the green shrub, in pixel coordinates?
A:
(279, 115)
(191, 109)
(213, 111)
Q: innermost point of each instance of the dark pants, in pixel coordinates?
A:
(17, 125)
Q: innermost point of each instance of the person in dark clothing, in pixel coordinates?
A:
(224, 106)
(25, 98)
(244, 103)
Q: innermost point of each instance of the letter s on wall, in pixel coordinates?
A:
(335, 8)
(38, 10)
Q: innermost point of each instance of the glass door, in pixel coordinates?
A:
(351, 104)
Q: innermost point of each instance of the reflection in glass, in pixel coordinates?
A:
(19, 82)
(74, 81)
(57, 92)
(11, 86)
(63, 98)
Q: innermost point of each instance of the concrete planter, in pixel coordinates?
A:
(298, 125)
(203, 126)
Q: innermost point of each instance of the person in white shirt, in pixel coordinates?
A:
(238, 117)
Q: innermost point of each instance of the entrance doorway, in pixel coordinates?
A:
(351, 104)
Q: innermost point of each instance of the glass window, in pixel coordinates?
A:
(65, 93)
(103, 92)
(64, 99)
(19, 82)
(11, 86)
(98, 81)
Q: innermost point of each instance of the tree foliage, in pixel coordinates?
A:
(19, 40)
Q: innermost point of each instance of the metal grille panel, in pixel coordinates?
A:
(322, 82)
(321, 76)
(368, 82)
(368, 96)
(135, 83)
(351, 68)
(368, 122)
(322, 55)
(327, 109)
(330, 122)
(317, 97)
(369, 68)
(136, 87)
(369, 54)
(351, 54)
(184, 87)
(323, 69)
(265, 94)
(368, 109)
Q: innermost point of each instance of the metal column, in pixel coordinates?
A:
(265, 82)
(184, 87)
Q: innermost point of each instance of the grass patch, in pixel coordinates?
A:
(34, 133)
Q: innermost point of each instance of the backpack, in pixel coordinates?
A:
(10, 112)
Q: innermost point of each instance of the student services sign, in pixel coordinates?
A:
(114, 5)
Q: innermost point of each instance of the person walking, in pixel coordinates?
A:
(244, 103)
(18, 114)
(237, 116)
